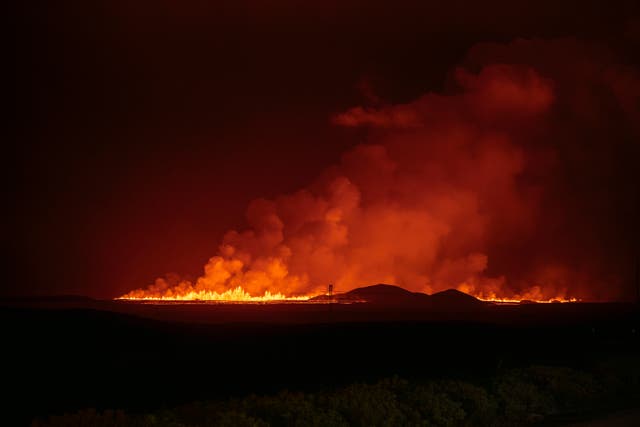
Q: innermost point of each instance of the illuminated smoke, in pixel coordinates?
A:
(498, 187)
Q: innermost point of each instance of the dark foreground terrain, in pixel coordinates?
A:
(65, 355)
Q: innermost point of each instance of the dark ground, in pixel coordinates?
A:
(67, 354)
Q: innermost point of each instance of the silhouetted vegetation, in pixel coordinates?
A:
(515, 397)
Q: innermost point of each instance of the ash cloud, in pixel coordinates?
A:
(517, 181)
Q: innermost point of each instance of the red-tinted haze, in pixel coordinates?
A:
(503, 186)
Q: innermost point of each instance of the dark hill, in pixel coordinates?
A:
(376, 294)
(381, 289)
(53, 301)
(452, 298)
(380, 292)
(46, 298)
(390, 295)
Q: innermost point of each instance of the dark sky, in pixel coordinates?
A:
(146, 127)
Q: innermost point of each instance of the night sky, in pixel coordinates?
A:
(146, 128)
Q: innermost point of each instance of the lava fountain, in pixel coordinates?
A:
(237, 294)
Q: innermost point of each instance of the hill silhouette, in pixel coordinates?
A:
(382, 293)
(391, 295)
(455, 298)
(49, 300)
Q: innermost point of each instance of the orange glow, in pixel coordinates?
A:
(268, 280)
(240, 295)
(237, 294)
(498, 295)
(519, 300)
(418, 207)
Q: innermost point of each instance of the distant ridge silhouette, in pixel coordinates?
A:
(455, 297)
(391, 295)
(47, 298)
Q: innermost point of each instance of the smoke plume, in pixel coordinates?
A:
(517, 181)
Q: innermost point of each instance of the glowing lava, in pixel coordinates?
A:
(237, 294)
(240, 295)
(533, 294)
(520, 300)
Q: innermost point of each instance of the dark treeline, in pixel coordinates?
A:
(523, 396)
(62, 361)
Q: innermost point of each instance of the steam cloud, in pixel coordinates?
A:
(517, 181)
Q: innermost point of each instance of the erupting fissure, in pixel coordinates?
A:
(237, 294)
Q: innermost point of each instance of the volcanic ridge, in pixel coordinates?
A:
(382, 294)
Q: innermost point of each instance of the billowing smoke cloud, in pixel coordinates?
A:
(518, 181)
